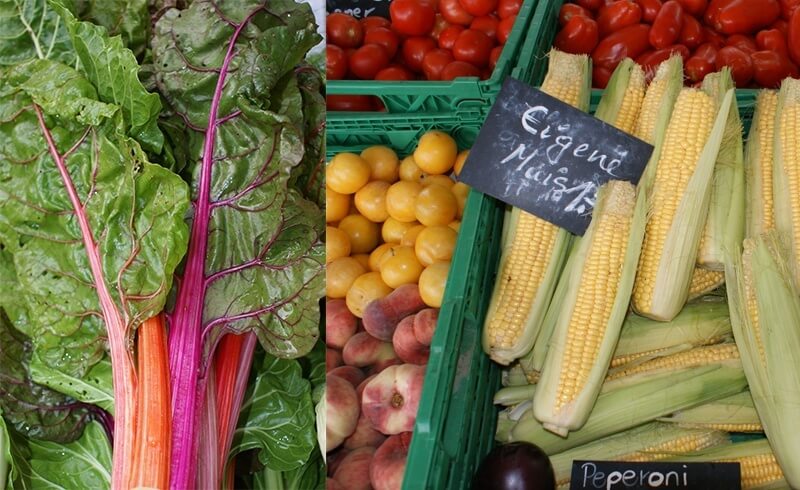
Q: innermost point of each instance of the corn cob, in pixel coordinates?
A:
(641, 399)
(704, 281)
(702, 323)
(534, 250)
(786, 170)
(757, 462)
(656, 110)
(724, 227)
(679, 203)
(759, 162)
(650, 442)
(765, 315)
(732, 414)
(600, 282)
(622, 99)
(699, 356)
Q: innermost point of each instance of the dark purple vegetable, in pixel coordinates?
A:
(515, 466)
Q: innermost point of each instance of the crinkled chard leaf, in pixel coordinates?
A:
(32, 409)
(277, 416)
(31, 29)
(263, 262)
(78, 465)
(309, 177)
(128, 18)
(135, 213)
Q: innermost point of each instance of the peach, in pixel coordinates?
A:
(389, 463)
(405, 344)
(363, 384)
(381, 365)
(363, 349)
(334, 458)
(351, 374)
(425, 325)
(382, 315)
(364, 435)
(340, 324)
(332, 484)
(342, 411)
(333, 359)
(353, 471)
(391, 399)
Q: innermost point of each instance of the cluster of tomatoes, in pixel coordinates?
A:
(425, 39)
(758, 39)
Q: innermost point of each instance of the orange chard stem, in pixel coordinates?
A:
(151, 461)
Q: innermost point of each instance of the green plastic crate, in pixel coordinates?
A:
(467, 95)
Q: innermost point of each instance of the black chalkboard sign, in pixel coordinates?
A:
(359, 8)
(617, 475)
(548, 158)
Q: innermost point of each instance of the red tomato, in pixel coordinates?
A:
(459, 69)
(714, 37)
(788, 7)
(744, 43)
(473, 47)
(743, 16)
(650, 9)
(707, 52)
(782, 26)
(350, 103)
(504, 29)
(374, 21)
(629, 42)
(447, 39)
(507, 8)
(344, 30)
(496, 51)
(770, 68)
(368, 60)
(438, 26)
(412, 17)
(650, 60)
(454, 13)
(772, 40)
(383, 37)
(740, 63)
(667, 26)
(479, 8)
(692, 34)
(335, 62)
(568, 10)
(617, 15)
(394, 73)
(487, 24)
(697, 68)
(579, 36)
(793, 37)
(600, 76)
(414, 49)
(434, 62)
(592, 5)
(694, 7)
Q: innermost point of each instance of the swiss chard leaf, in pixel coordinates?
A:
(128, 18)
(135, 211)
(310, 476)
(78, 465)
(31, 29)
(277, 416)
(33, 409)
(94, 387)
(309, 176)
(263, 256)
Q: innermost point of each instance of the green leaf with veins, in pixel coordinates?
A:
(113, 70)
(265, 252)
(34, 410)
(30, 29)
(128, 18)
(277, 416)
(309, 176)
(79, 465)
(135, 211)
(94, 387)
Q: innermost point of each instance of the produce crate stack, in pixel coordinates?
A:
(670, 331)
